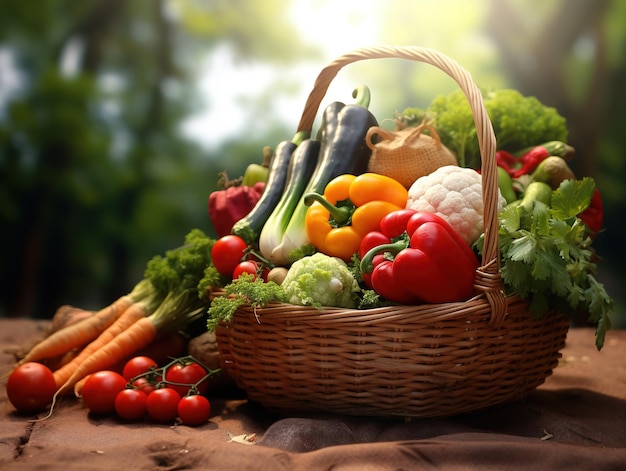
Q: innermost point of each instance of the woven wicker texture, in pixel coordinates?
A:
(431, 360)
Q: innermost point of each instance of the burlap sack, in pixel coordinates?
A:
(407, 154)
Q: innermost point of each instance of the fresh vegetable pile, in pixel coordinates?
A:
(321, 223)
(409, 230)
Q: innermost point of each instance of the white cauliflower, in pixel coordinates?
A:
(455, 194)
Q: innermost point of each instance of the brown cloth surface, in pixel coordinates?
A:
(576, 420)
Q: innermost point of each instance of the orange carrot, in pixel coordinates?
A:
(176, 311)
(129, 317)
(78, 387)
(76, 335)
(81, 333)
(137, 336)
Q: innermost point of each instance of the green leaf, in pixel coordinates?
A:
(540, 219)
(523, 249)
(572, 197)
(600, 303)
(510, 218)
(575, 296)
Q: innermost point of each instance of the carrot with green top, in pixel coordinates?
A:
(176, 311)
(178, 297)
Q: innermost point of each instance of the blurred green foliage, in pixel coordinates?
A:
(96, 174)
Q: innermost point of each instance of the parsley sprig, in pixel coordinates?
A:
(547, 256)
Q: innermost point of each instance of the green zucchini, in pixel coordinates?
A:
(250, 226)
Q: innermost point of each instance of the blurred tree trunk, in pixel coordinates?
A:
(536, 60)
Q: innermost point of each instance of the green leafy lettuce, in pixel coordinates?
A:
(518, 121)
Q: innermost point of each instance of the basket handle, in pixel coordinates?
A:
(488, 279)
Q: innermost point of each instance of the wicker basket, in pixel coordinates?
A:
(431, 360)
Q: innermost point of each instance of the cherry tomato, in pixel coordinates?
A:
(144, 385)
(162, 404)
(136, 366)
(101, 389)
(187, 373)
(227, 252)
(247, 266)
(130, 404)
(30, 387)
(252, 267)
(194, 410)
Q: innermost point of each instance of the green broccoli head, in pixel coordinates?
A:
(518, 122)
(320, 280)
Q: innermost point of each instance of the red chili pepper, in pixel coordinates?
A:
(506, 160)
(530, 161)
(426, 262)
(228, 206)
(593, 216)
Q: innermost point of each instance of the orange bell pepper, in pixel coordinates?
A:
(351, 207)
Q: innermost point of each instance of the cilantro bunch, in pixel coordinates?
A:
(547, 256)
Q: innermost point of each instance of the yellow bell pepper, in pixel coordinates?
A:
(351, 207)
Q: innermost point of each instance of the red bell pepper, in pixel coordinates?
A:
(424, 260)
(229, 205)
(507, 161)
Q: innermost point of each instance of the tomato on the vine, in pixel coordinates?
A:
(186, 373)
(130, 404)
(194, 410)
(227, 252)
(136, 366)
(144, 385)
(30, 387)
(101, 389)
(162, 404)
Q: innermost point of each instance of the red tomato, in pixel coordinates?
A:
(247, 266)
(144, 385)
(130, 404)
(136, 366)
(101, 389)
(30, 387)
(162, 404)
(194, 410)
(227, 252)
(185, 375)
